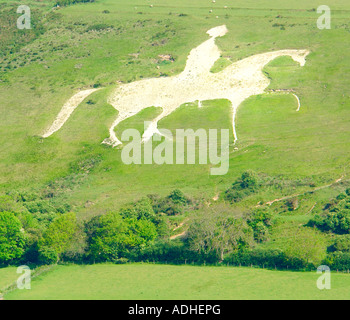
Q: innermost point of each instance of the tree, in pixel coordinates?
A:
(12, 239)
(306, 244)
(260, 221)
(114, 237)
(341, 244)
(250, 180)
(218, 230)
(248, 184)
(335, 221)
(58, 236)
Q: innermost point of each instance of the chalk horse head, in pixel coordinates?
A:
(236, 83)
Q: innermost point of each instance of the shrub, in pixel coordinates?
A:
(248, 184)
(341, 244)
(48, 255)
(178, 197)
(250, 180)
(266, 258)
(175, 252)
(98, 27)
(336, 222)
(338, 261)
(260, 221)
(174, 204)
(63, 3)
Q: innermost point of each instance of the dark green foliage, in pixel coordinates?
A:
(250, 180)
(336, 222)
(338, 261)
(139, 210)
(174, 204)
(341, 244)
(63, 3)
(248, 184)
(98, 27)
(176, 252)
(143, 210)
(260, 221)
(268, 259)
(342, 196)
(178, 197)
(336, 216)
(48, 255)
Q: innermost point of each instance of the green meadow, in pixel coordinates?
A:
(7, 277)
(164, 282)
(108, 42)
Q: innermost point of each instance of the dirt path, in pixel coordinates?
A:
(180, 225)
(178, 235)
(303, 193)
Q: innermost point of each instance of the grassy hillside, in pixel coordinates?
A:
(109, 42)
(81, 46)
(178, 282)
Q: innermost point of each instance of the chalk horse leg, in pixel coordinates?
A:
(153, 126)
(113, 140)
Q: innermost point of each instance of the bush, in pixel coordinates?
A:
(248, 184)
(63, 3)
(250, 180)
(139, 210)
(178, 197)
(266, 258)
(174, 204)
(338, 261)
(48, 255)
(341, 244)
(172, 252)
(336, 222)
(260, 221)
(98, 27)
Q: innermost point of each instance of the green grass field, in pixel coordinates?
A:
(7, 277)
(143, 281)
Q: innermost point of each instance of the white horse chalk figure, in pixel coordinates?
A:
(236, 83)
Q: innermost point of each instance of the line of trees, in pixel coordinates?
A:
(43, 230)
(47, 234)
